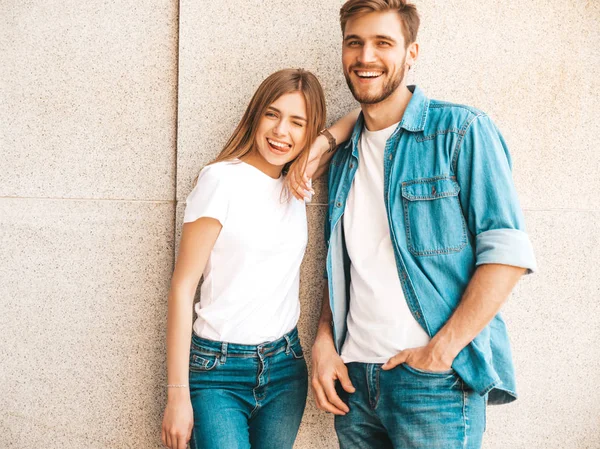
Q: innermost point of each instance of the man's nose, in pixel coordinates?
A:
(367, 54)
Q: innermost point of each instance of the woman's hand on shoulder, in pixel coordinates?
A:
(178, 421)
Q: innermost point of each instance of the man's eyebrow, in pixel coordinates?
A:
(379, 36)
(386, 38)
(299, 117)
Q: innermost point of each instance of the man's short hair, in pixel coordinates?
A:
(406, 11)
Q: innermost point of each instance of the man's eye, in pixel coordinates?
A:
(353, 43)
(384, 43)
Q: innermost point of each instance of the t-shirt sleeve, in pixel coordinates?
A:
(209, 198)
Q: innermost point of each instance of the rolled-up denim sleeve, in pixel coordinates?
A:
(489, 199)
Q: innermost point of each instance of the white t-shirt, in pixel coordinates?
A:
(251, 279)
(379, 322)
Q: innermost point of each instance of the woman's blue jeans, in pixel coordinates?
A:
(247, 396)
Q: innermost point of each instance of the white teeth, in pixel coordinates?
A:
(278, 144)
(368, 74)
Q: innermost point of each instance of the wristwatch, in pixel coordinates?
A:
(332, 143)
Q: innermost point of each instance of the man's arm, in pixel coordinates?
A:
(319, 157)
(327, 365)
(487, 291)
(341, 131)
(503, 251)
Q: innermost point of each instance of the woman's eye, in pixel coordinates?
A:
(298, 124)
(270, 114)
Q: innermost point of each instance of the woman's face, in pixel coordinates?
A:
(281, 132)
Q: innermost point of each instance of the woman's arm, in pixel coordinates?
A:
(318, 159)
(197, 241)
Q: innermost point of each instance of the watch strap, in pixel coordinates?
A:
(332, 143)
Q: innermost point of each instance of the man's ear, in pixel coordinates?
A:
(412, 53)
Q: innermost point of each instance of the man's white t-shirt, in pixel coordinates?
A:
(250, 293)
(380, 323)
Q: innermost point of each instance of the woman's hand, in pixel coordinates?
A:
(178, 421)
(298, 179)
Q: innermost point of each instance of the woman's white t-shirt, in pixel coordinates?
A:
(250, 292)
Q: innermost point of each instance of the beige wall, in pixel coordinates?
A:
(95, 170)
(87, 189)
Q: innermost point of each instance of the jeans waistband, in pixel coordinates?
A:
(225, 349)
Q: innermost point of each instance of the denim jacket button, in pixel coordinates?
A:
(338, 204)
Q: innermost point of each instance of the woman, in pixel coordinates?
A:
(243, 383)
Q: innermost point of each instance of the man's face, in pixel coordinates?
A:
(374, 56)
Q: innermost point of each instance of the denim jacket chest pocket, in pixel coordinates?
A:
(433, 218)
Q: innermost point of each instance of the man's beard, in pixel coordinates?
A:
(389, 86)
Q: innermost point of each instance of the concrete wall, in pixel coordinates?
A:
(88, 98)
(101, 139)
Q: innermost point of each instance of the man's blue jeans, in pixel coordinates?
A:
(406, 408)
(247, 396)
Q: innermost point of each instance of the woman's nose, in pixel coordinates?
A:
(280, 128)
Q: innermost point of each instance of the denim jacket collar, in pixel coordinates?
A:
(414, 117)
(415, 114)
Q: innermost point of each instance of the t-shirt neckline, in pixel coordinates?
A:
(262, 174)
(387, 132)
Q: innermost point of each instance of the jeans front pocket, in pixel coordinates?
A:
(201, 359)
(433, 218)
(421, 372)
(200, 363)
(297, 351)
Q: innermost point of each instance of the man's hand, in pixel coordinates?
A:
(425, 358)
(487, 291)
(298, 177)
(327, 367)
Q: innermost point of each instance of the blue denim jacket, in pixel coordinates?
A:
(451, 206)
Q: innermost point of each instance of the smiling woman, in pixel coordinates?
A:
(289, 109)
(281, 134)
(245, 367)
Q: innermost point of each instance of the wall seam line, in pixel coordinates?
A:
(178, 2)
(89, 199)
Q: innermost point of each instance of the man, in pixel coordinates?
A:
(425, 243)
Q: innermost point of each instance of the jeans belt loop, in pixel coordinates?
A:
(223, 352)
(288, 345)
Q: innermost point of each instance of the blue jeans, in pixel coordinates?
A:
(247, 396)
(406, 408)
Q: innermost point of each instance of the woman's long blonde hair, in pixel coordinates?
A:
(274, 86)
